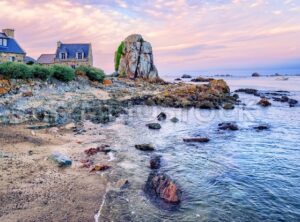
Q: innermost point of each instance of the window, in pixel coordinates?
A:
(73, 66)
(79, 55)
(63, 55)
(3, 42)
(12, 59)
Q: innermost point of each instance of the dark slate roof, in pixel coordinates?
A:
(12, 45)
(72, 49)
(46, 59)
(29, 59)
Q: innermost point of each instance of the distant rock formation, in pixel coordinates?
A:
(136, 60)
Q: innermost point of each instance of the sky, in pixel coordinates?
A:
(187, 36)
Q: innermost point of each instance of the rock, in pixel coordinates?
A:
(292, 102)
(86, 163)
(5, 86)
(30, 153)
(196, 140)
(163, 187)
(100, 167)
(202, 79)
(61, 159)
(219, 85)
(162, 116)
(155, 162)
(228, 126)
(93, 151)
(122, 184)
(178, 79)
(186, 76)
(154, 126)
(107, 82)
(145, 147)
(137, 59)
(236, 96)
(70, 126)
(27, 94)
(261, 127)
(255, 74)
(248, 91)
(228, 106)
(264, 102)
(174, 120)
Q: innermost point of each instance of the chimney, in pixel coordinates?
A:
(9, 32)
(58, 44)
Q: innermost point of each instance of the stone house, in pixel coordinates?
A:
(10, 50)
(72, 55)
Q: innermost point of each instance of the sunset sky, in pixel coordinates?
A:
(188, 36)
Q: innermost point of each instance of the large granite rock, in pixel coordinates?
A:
(137, 59)
(4, 86)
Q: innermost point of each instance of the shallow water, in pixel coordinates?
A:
(238, 176)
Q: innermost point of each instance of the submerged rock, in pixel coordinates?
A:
(162, 116)
(196, 140)
(248, 91)
(174, 120)
(137, 59)
(61, 159)
(163, 187)
(261, 127)
(292, 102)
(201, 79)
(186, 76)
(154, 126)
(228, 126)
(228, 106)
(145, 147)
(155, 162)
(264, 102)
(255, 74)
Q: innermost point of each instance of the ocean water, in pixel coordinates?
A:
(243, 175)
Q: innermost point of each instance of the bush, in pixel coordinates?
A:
(119, 55)
(41, 72)
(63, 73)
(13, 70)
(93, 74)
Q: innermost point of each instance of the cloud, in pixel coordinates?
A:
(185, 34)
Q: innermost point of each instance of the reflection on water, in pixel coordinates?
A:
(238, 176)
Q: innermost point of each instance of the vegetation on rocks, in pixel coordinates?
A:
(63, 73)
(92, 73)
(119, 55)
(12, 70)
(41, 72)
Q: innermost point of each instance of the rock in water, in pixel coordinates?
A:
(155, 162)
(228, 126)
(154, 126)
(264, 102)
(174, 120)
(162, 186)
(137, 59)
(145, 147)
(61, 159)
(196, 140)
(255, 74)
(162, 116)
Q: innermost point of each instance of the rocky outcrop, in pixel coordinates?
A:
(264, 102)
(4, 86)
(163, 187)
(137, 59)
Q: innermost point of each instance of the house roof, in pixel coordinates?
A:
(12, 45)
(29, 59)
(46, 59)
(72, 49)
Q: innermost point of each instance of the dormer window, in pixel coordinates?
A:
(79, 55)
(63, 55)
(3, 42)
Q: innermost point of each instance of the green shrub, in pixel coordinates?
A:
(92, 73)
(63, 73)
(13, 70)
(119, 55)
(41, 72)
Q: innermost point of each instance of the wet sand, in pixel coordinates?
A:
(34, 188)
